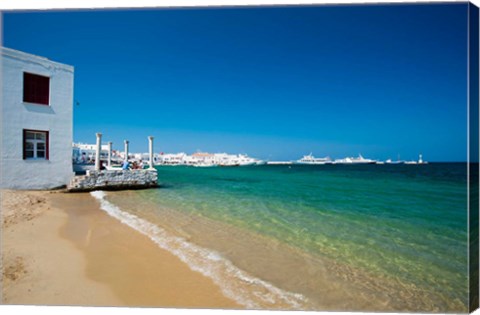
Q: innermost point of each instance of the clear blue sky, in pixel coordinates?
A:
(275, 83)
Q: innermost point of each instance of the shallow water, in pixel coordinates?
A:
(326, 237)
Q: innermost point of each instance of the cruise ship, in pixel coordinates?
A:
(352, 160)
(310, 159)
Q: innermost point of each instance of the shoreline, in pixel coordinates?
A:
(330, 284)
(107, 262)
(61, 249)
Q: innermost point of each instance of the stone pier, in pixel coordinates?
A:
(114, 180)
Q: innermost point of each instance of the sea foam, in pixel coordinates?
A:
(236, 284)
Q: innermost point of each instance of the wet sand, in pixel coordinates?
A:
(61, 249)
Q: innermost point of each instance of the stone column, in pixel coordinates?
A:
(126, 150)
(109, 154)
(97, 152)
(150, 150)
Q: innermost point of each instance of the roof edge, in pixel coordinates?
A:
(20, 55)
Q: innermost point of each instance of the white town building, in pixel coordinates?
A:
(36, 121)
(85, 153)
(172, 158)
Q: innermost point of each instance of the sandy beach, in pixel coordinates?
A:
(61, 249)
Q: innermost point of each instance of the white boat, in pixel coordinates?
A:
(245, 160)
(279, 163)
(310, 159)
(352, 160)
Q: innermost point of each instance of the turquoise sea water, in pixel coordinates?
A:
(324, 237)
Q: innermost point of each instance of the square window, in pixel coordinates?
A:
(35, 144)
(36, 88)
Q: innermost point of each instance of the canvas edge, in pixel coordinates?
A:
(473, 155)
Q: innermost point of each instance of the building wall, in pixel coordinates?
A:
(57, 118)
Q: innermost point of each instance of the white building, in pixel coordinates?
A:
(171, 158)
(202, 158)
(207, 159)
(85, 153)
(36, 121)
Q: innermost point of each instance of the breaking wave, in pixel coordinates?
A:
(236, 284)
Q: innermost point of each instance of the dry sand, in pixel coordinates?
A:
(61, 249)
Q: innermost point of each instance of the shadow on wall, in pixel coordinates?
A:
(35, 108)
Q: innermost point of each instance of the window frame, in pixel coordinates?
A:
(35, 101)
(35, 142)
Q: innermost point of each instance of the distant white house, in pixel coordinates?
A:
(36, 121)
(172, 158)
(85, 153)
